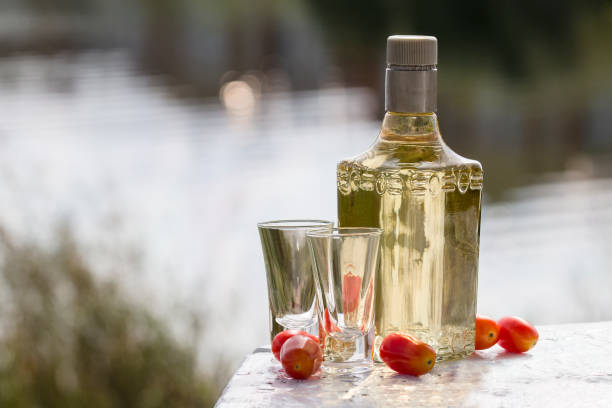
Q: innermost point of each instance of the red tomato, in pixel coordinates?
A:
(351, 290)
(406, 354)
(487, 332)
(301, 357)
(283, 336)
(516, 335)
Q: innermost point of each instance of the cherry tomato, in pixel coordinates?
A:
(301, 357)
(351, 291)
(283, 336)
(516, 335)
(487, 332)
(406, 354)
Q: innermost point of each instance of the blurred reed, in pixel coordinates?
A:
(71, 339)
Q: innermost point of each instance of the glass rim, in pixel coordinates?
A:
(295, 224)
(338, 232)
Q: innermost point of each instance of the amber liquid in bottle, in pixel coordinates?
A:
(427, 199)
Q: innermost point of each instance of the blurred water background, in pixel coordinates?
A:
(158, 133)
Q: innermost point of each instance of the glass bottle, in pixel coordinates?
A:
(426, 198)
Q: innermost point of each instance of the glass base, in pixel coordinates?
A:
(341, 348)
(302, 321)
(310, 326)
(350, 368)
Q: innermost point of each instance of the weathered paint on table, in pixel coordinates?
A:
(571, 366)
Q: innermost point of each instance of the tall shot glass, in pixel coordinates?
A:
(345, 263)
(291, 287)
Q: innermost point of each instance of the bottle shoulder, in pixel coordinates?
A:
(392, 156)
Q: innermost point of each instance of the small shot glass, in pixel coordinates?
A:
(345, 263)
(291, 287)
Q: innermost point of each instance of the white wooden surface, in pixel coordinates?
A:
(571, 366)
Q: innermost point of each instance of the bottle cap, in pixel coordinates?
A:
(412, 50)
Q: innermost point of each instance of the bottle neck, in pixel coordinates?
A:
(411, 128)
(411, 89)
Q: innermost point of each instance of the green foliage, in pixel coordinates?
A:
(70, 339)
(507, 34)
